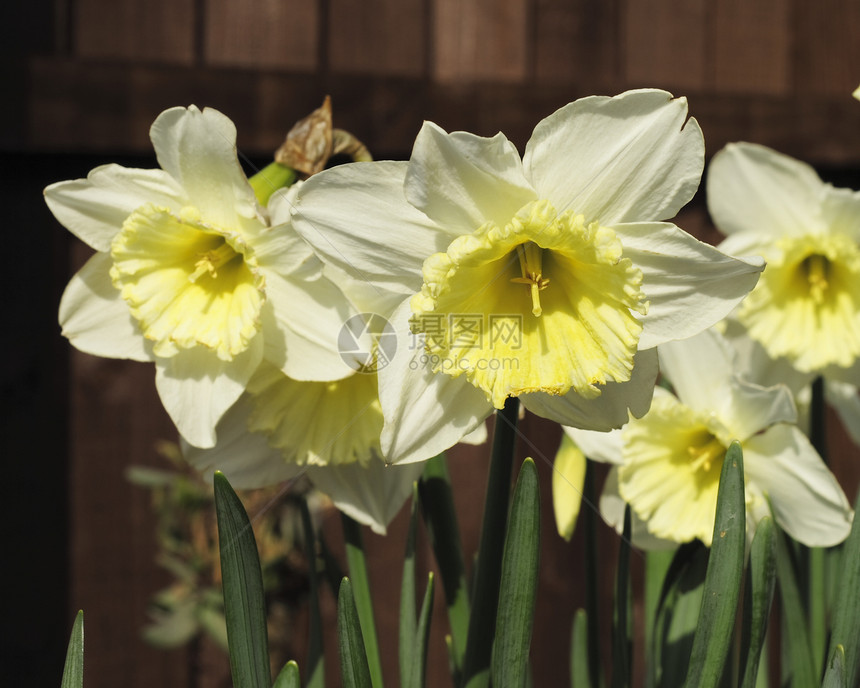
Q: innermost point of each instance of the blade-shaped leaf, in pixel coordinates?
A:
(73, 672)
(723, 579)
(580, 676)
(360, 591)
(244, 603)
(353, 657)
(408, 614)
(621, 641)
(836, 676)
(846, 614)
(518, 587)
(761, 583)
(482, 621)
(440, 518)
(288, 677)
(316, 665)
(418, 674)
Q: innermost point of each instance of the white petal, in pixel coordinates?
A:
(196, 388)
(689, 284)
(610, 409)
(372, 494)
(425, 412)
(807, 500)
(477, 437)
(279, 247)
(356, 217)
(754, 408)
(630, 158)
(612, 508)
(844, 398)
(96, 319)
(460, 181)
(752, 188)
(307, 318)
(93, 209)
(244, 457)
(841, 211)
(604, 447)
(198, 149)
(700, 369)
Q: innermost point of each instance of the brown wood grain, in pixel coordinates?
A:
(664, 43)
(751, 47)
(134, 30)
(481, 40)
(826, 43)
(378, 37)
(264, 34)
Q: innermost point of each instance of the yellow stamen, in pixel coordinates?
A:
(530, 255)
(210, 261)
(704, 455)
(817, 269)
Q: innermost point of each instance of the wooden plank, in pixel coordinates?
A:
(480, 40)
(378, 37)
(665, 44)
(266, 33)
(752, 46)
(134, 30)
(578, 42)
(115, 421)
(827, 47)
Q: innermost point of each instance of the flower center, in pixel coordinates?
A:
(187, 283)
(806, 306)
(317, 423)
(579, 334)
(672, 459)
(530, 255)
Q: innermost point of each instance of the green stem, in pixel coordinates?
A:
(360, 584)
(482, 621)
(592, 593)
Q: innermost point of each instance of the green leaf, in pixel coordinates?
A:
(580, 676)
(797, 654)
(316, 665)
(288, 677)
(482, 621)
(244, 603)
(621, 641)
(836, 676)
(408, 615)
(73, 672)
(519, 580)
(723, 579)
(440, 518)
(757, 601)
(592, 557)
(846, 615)
(360, 591)
(418, 675)
(355, 672)
(678, 615)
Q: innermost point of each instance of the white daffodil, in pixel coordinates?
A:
(190, 274)
(281, 428)
(806, 307)
(668, 462)
(550, 277)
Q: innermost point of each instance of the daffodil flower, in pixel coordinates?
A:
(190, 274)
(668, 462)
(806, 307)
(282, 428)
(550, 277)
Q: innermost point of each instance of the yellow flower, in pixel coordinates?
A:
(549, 277)
(806, 306)
(191, 274)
